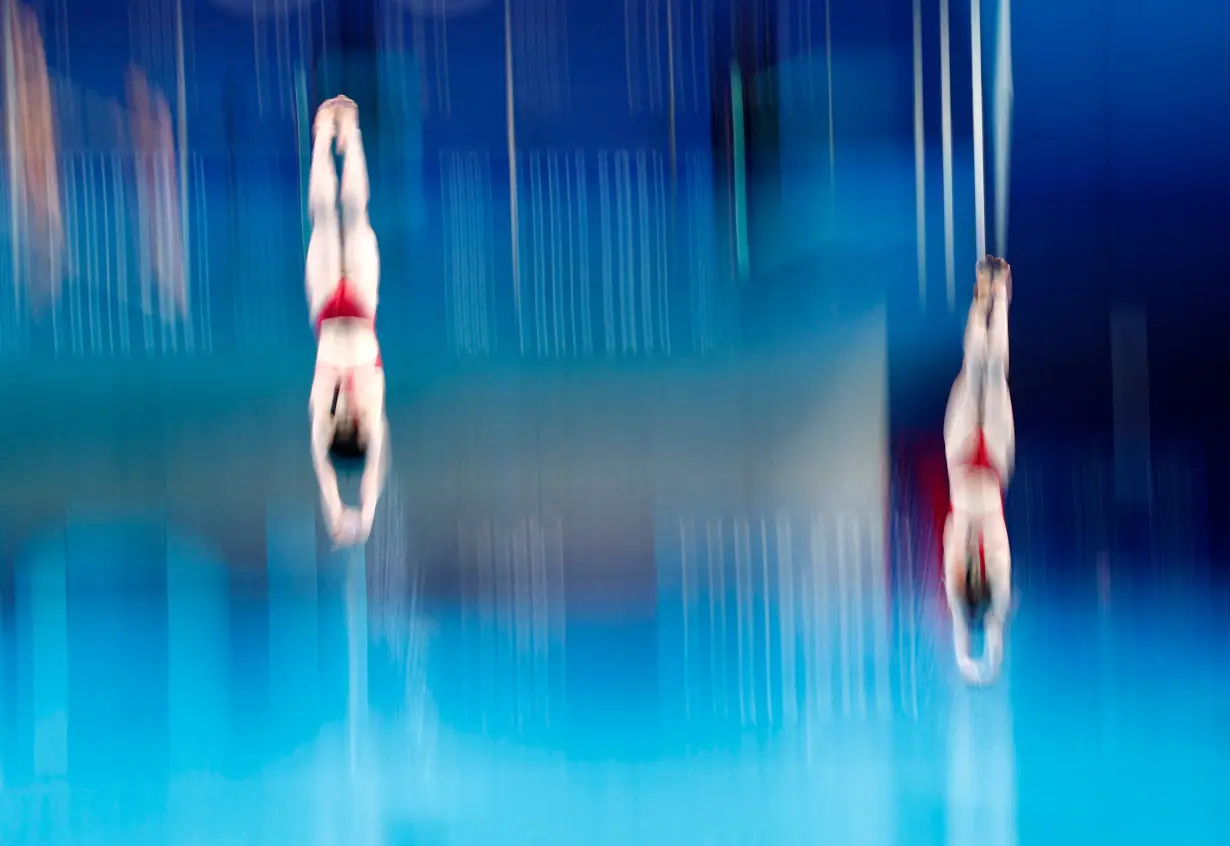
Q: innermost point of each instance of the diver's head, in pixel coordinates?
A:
(977, 591)
(349, 441)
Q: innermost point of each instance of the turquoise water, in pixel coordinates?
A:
(290, 720)
(598, 610)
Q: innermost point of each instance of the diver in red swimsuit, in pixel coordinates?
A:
(980, 442)
(343, 285)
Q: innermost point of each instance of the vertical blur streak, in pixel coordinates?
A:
(946, 118)
(982, 783)
(10, 134)
(1003, 123)
(161, 237)
(670, 79)
(920, 157)
(512, 172)
(303, 132)
(356, 653)
(41, 582)
(980, 177)
(828, 60)
(256, 60)
(684, 549)
(34, 180)
(121, 220)
(740, 175)
(767, 660)
(184, 224)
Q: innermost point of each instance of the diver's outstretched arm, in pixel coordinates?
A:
(956, 570)
(374, 471)
(999, 580)
(330, 496)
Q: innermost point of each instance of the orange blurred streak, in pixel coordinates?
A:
(35, 173)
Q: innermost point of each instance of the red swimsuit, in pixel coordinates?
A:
(344, 303)
(980, 459)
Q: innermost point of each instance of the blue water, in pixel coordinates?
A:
(561, 640)
(302, 724)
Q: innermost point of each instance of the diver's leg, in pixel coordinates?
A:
(361, 254)
(324, 254)
(963, 415)
(998, 425)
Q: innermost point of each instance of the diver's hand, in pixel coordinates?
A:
(366, 517)
(351, 529)
(970, 671)
(332, 510)
(340, 522)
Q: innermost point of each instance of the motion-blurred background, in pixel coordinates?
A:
(672, 298)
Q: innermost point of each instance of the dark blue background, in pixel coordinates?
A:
(636, 399)
(1116, 184)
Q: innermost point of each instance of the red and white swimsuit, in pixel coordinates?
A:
(345, 304)
(979, 458)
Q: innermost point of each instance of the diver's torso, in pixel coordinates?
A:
(347, 343)
(348, 361)
(978, 475)
(975, 491)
